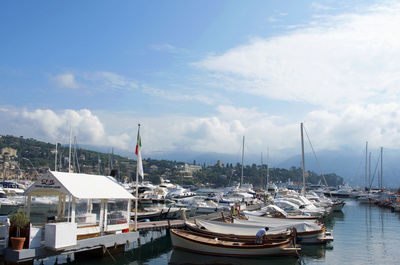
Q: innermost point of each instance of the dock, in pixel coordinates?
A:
(99, 246)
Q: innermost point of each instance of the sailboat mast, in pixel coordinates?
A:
(381, 167)
(69, 156)
(55, 159)
(261, 172)
(267, 168)
(241, 176)
(303, 190)
(137, 184)
(369, 171)
(366, 164)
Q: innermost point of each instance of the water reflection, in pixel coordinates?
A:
(317, 251)
(180, 257)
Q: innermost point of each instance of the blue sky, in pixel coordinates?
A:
(198, 75)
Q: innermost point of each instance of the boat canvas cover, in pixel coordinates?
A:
(281, 223)
(80, 186)
(250, 228)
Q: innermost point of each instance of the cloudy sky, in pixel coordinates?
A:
(200, 75)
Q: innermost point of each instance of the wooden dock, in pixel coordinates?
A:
(156, 225)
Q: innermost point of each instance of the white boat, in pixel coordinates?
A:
(274, 211)
(308, 231)
(9, 205)
(179, 193)
(11, 188)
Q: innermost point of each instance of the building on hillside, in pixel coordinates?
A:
(219, 163)
(188, 170)
(9, 151)
(192, 168)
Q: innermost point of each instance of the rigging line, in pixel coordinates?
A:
(376, 167)
(312, 148)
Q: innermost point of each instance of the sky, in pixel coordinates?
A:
(200, 75)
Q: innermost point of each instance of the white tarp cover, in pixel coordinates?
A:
(250, 228)
(281, 223)
(264, 210)
(80, 186)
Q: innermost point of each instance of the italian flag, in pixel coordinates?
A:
(138, 149)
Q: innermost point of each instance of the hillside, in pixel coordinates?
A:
(41, 155)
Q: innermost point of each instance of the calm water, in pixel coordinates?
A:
(363, 234)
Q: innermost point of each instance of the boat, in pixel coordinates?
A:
(274, 211)
(11, 188)
(153, 213)
(308, 231)
(9, 205)
(231, 247)
(179, 193)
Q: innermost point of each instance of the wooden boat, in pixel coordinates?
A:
(230, 247)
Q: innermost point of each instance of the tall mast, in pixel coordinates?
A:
(69, 156)
(267, 167)
(241, 176)
(381, 167)
(303, 190)
(137, 184)
(366, 164)
(369, 171)
(261, 172)
(55, 159)
(74, 156)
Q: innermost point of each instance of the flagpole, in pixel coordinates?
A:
(137, 185)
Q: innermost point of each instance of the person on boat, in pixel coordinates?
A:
(260, 235)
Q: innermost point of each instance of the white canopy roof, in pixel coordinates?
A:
(80, 186)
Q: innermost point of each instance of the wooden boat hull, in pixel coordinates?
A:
(194, 242)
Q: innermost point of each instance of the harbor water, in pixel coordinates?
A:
(363, 234)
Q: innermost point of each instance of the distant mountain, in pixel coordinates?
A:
(351, 165)
(346, 163)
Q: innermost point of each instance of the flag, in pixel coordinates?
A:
(139, 166)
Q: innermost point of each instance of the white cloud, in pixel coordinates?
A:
(219, 133)
(164, 47)
(319, 6)
(108, 81)
(178, 96)
(95, 81)
(66, 80)
(48, 125)
(333, 62)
